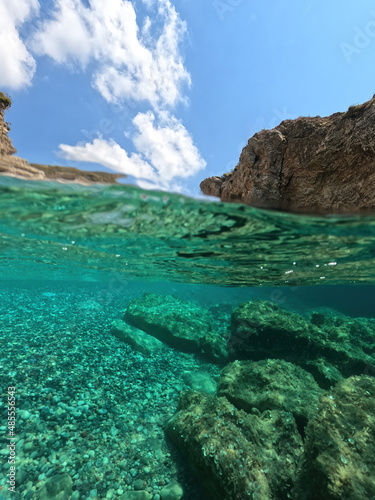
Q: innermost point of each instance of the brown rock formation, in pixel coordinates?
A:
(14, 166)
(310, 165)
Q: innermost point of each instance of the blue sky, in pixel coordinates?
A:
(169, 91)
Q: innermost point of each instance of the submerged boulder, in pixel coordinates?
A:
(236, 454)
(272, 384)
(338, 462)
(330, 348)
(139, 340)
(180, 324)
(311, 164)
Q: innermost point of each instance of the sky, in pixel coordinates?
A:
(169, 91)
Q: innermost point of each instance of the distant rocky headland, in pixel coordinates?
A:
(307, 165)
(14, 166)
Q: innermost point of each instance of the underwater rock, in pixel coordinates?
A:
(340, 445)
(57, 487)
(200, 381)
(180, 324)
(330, 349)
(236, 454)
(173, 491)
(272, 384)
(139, 340)
(136, 495)
(310, 165)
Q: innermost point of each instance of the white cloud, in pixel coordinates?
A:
(111, 155)
(165, 152)
(132, 61)
(16, 63)
(169, 147)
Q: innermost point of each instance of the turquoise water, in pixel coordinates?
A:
(93, 407)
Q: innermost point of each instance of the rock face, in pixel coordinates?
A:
(329, 347)
(236, 455)
(339, 449)
(14, 166)
(182, 325)
(139, 340)
(272, 384)
(307, 165)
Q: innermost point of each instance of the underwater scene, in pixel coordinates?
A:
(159, 347)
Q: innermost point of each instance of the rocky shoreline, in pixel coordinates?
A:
(308, 165)
(13, 166)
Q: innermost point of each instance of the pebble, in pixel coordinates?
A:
(138, 484)
(84, 396)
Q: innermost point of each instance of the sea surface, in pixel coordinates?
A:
(92, 409)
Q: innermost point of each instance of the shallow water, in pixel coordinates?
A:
(74, 257)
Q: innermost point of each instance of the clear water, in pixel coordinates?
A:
(73, 258)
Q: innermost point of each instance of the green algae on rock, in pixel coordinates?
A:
(270, 384)
(328, 347)
(338, 462)
(236, 454)
(139, 340)
(180, 324)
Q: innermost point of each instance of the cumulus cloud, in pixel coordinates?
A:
(111, 155)
(133, 62)
(16, 63)
(165, 152)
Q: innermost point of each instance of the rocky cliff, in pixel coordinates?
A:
(14, 166)
(309, 165)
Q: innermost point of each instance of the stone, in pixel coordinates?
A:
(173, 491)
(235, 454)
(136, 495)
(57, 487)
(309, 165)
(138, 484)
(139, 340)
(200, 381)
(180, 324)
(271, 384)
(338, 462)
(330, 348)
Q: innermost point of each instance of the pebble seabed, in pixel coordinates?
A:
(87, 404)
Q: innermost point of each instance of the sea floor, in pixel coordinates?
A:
(87, 404)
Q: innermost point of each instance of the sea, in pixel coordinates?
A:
(83, 413)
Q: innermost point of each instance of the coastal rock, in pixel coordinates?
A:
(233, 453)
(272, 384)
(308, 165)
(180, 324)
(328, 347)
(13, 166)
(340, 445)
(139, 340)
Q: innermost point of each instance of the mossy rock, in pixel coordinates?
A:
(329, 347)
(235, 454)
(272, 384)
(183, 325)
(340, 446)
(5, 101)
